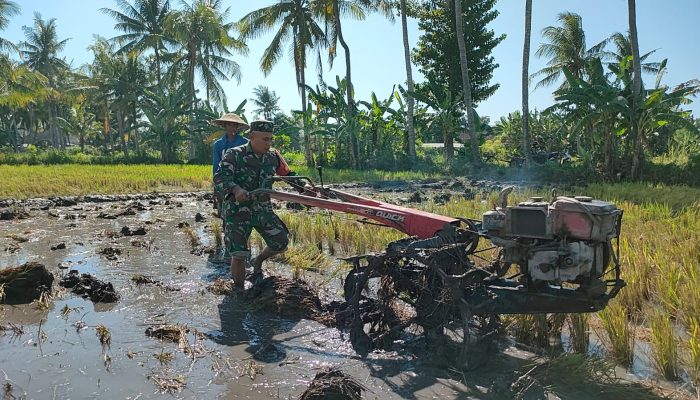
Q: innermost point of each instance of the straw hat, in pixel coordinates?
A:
(230, 118)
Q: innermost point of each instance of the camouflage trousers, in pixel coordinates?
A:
(239, 221)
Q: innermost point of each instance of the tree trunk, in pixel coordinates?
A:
(135, 130)
(81, 138)
(634, 42)
(608, 153)
(466, 86)
(448, 148)
(106, 129)
(120, 124)
(62, 141)
(192, 60)
(349, 92)
(51, 130)
(409, 82)
(638, 153)
(32, 127)
(158, 74)
(15, 136)
(525, 88)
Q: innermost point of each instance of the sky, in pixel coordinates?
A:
(671, 27)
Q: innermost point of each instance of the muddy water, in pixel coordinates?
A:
(230, 351)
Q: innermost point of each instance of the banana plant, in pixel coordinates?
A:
(166, 120)
(446, 110)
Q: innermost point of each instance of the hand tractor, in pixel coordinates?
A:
(556, 256)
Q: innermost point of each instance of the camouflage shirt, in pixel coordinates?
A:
(240, 166)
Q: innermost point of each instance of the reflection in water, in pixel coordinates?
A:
(239, 326)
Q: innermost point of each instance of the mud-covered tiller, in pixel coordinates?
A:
(551, 257)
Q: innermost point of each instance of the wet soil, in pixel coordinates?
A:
(229, 344)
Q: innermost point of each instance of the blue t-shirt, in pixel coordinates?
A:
(223, 144)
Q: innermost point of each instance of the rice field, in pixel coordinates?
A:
(660, 250)
(25, 181)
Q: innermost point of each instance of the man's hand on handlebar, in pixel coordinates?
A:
(240, 194)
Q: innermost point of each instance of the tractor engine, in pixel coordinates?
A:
(567, 240)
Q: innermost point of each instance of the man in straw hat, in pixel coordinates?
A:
(244, 169)
(233, 124)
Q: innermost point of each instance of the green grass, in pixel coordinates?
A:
(28, 181)
(664, 344)
(22, 181)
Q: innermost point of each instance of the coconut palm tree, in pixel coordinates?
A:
(525, 83)
(40, 53)
(409, 83)
(143, 26)
(332, 13)
(205, 49)
(623, 49)
(294, 22)
(467, 89)
(205, 41)
(266, 102)
(7, 9)
(566, 48)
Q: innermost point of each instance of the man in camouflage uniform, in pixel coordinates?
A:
(243, 169)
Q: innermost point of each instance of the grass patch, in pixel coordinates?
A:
(664, 344)
(620, 333)
(693, 353)
(23, 181)
(29, 181)
(573, 376)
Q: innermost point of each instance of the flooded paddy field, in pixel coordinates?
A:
(172, 329)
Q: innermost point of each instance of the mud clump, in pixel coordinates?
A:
(415, 197)
(171, 333)
(221, 287)
(90, 287)
(127, 231)
(103, 215)
(201, 250)
(13, 213)
(59, 246)
(24, 284)
(199, 218)
(285, 297)
(110, 253)
(442, 198)
(139, 243)
(334, 385)
(147, 280)
(63, 201)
